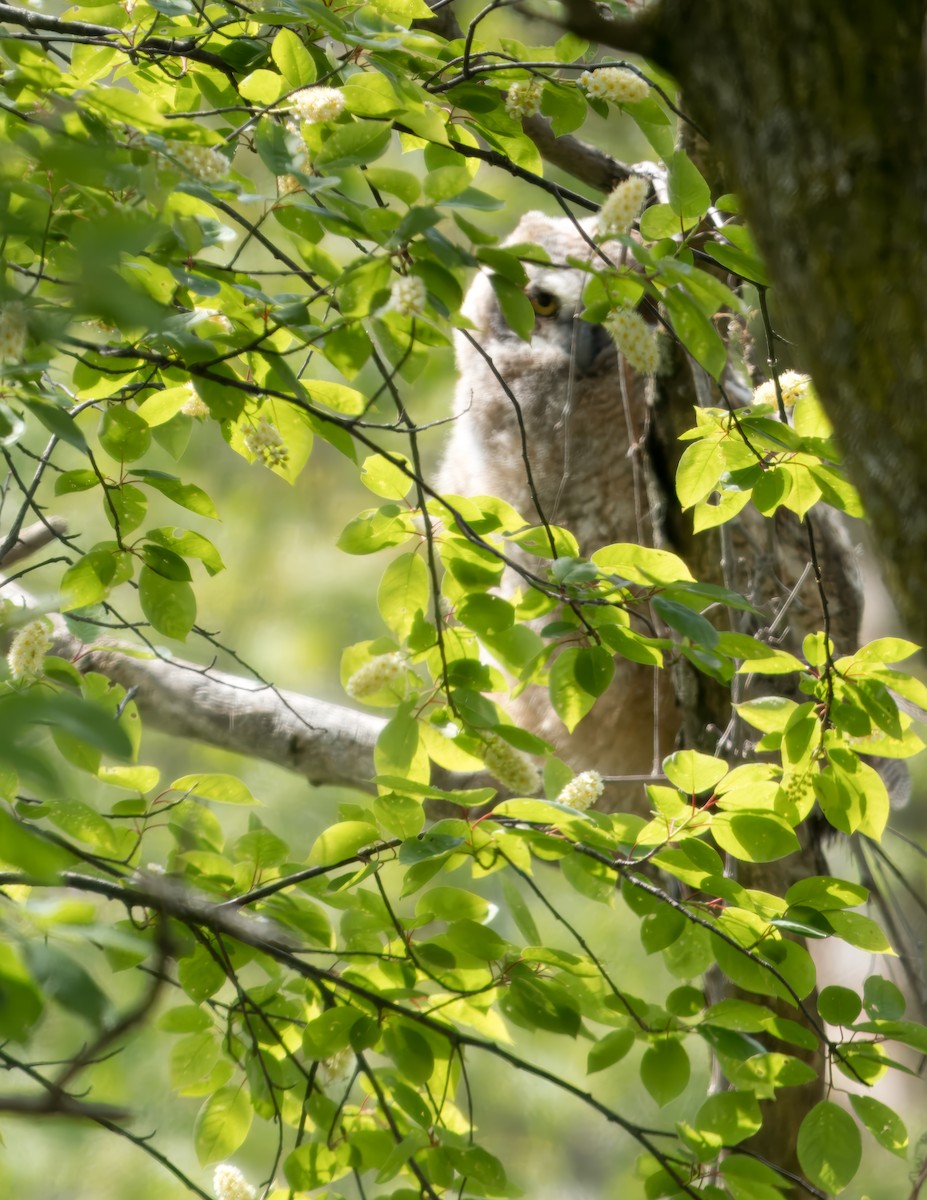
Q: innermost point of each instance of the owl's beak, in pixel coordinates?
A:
(589, 343)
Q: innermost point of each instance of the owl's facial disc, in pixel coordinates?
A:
(559, 325)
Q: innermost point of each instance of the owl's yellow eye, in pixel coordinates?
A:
(545, 304)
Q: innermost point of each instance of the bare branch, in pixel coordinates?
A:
(33, 538)
(61, 1106)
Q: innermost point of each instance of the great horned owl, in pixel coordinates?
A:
(583, 410)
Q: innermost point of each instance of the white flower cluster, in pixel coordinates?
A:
(28, 649)
(384, 671)
(523, 99)
(634, 338)
(195, 406)
(264, 442)
(614, 83)
(792, 385)
(622, 206)
(582, 791)
(287, 185)
(513, 770)
(204, 162)
(12, 332)
(316, 105)
(407, 296)
(229, 1184)
(336, 1068)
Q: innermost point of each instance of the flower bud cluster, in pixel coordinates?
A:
(634, 338)
(582, 791)
(384, 671)
(264, 442)
(206, 163)
(512, 768)
(12, 332)
(622, 206)
(316, 105)
(614, 83)
(792, 385)
(28, 649)
(230, 1184)
(407, 296)
(523, 99)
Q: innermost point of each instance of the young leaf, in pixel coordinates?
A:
(829, 1146)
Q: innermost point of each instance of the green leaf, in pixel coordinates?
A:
(515, 305)
(21, 847)
(377, 528)
(22, 1001)
(694, 773)
(82, 719)
(536, 1003)
(476, 1163)
(754, 836)
(824, 892)
(67, 983)
(187, 495)
(262, 86)
(746, 263)
(695, 331)
(860, 931)
(642, 565)
(728, 1118)
(399, 815)
(689, 194)
(883, 1123)
(75, 481)
(829, 1146)
(609, 1050)
(222, 1124)
(168, 604)
(690, 624)
(665, 1070)
(700, 468)
(385, 478)
(486, 615)
(125, 508)
(342, 841)
(839, 1005)
(353, 145)
(883, 999)
(92, 578)
(291, 56)
(58, 422)
(410, 1051)
(124, 435)
(223, 789)
(570, 699)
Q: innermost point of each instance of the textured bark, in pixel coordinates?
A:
(817, 113)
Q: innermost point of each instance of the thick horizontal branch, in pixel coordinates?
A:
(325, 742)
(641, 34)
(583, 161)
